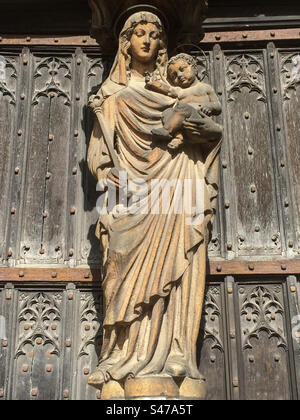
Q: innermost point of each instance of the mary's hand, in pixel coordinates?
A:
(204, 130)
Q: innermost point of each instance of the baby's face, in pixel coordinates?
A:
(181, 74)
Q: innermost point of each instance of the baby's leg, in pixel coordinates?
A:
(173, 118)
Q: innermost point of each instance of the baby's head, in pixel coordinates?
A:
(182, 70)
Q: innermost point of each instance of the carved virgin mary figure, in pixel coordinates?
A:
(154, 262)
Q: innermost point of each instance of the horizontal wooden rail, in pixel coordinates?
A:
(210, 37)
(87, 274)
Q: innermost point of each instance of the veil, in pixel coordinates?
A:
(120, 72)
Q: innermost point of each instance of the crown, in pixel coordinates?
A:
(181, 19)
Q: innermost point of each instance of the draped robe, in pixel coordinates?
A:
(154, 273)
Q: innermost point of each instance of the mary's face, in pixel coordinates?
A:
(145, 42)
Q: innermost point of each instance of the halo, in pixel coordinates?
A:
(138, 8)
(207, 67)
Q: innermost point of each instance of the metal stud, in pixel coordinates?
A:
(293, 289)
(224, 164)
(25, 368)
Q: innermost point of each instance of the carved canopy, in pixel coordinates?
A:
(182, 19)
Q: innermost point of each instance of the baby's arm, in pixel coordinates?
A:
(160, 87)
(214, 104)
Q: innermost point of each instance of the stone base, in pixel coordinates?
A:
(155, 387)
(112, 390)
(151, 388)
(192, 389)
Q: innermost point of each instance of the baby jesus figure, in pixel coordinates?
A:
(195, 99)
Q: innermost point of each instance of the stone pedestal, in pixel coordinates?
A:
(157, 388)
(112, 390)
(192, 389)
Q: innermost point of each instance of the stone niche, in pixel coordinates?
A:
(182, 20)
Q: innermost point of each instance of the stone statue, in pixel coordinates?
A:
(154, 261)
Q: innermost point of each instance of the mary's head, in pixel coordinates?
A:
(142, 40)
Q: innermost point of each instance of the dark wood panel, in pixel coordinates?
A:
(8, 90)
(290, 90)
(55, 201)
(257, 221)
(38, 345)
(36, 168)
(264, 345)
(212, 342)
